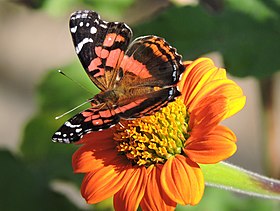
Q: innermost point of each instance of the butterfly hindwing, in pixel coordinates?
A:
(151, 70)
(152, 60)
(100, 45)
(93, 119)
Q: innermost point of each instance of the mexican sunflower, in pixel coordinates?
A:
(154, 161)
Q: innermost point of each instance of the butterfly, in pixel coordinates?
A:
(136, 78)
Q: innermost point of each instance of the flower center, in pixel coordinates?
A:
(153, 139)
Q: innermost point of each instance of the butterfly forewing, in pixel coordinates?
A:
(100, 45)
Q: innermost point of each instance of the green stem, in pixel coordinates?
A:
(233, 178)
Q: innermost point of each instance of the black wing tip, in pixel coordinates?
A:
(83, 14)
(63, 140)
(67, 135)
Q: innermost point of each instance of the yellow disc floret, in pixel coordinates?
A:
(153, 139)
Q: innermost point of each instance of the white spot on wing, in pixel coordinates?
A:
(68, 124)
(126, 25)
(103, 26)
(78, 130)
(81, 44)
(171, 92)
(180, 77)
(66, 141)
(84, 15)
(93, 30)
(74, 29)
(178, 88)
(174, 75)
(87, 24)
(81, 24)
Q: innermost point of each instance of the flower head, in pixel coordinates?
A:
(154, 161)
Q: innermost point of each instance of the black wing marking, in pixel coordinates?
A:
(153, 62)
(93, 119)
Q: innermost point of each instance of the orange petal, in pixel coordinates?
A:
(94, 155)
(155, 198)
(235, 100)
(202, 78)
(235, 103)
(216, 146)
(130, 195)
(103, 183)
(182, 180)
(97, 136)
(207, 115)
(196, 75)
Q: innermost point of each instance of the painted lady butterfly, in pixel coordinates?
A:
(136, 79)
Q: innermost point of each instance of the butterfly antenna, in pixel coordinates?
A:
(80, 85)
(73, 109)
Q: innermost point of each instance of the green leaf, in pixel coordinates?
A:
(264, 12)
(52, 160)
(249, 45)
(22, 189)
(229, 177)
(56, 95)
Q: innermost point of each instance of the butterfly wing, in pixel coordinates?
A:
(151, 69)
(146, 104)
(100, 45)
(97, 118)
(152, 60)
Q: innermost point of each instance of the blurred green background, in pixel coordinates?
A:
(36, 174)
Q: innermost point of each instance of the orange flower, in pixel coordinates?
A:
(153, 161)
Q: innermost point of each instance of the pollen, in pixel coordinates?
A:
(154, 139)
